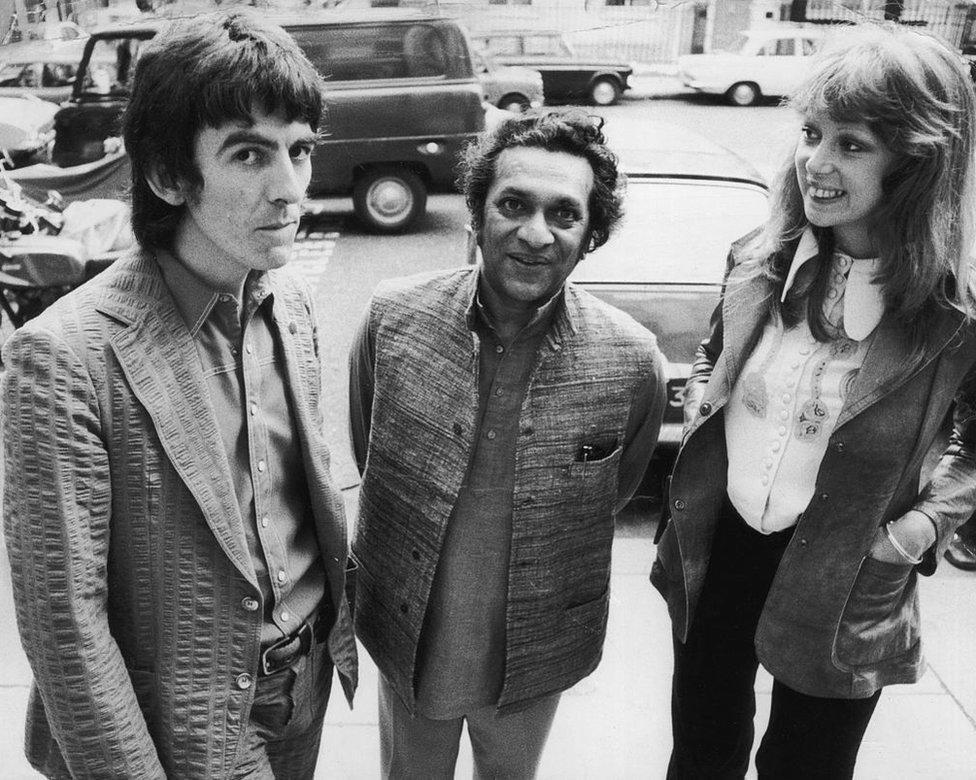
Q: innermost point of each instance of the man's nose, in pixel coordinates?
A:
(287, 181)
(535, 230)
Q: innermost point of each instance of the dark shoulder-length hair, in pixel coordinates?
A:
(202, 72)
(555, 130)
(915, 95)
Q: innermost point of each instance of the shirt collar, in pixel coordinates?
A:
(864, 304)
(477, 313)
(195, 298)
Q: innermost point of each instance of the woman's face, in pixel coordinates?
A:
(840, 167)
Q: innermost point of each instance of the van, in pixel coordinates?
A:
(402, 101)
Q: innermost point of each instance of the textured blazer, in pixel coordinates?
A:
(836, 622)
(130, 566)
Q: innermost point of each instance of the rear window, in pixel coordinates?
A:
(387, 52)
(676, 231)
(111, 67)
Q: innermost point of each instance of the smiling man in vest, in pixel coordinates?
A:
(177, 545)
(500, 417)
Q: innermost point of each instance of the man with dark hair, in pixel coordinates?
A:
(177, 545)
(500, 418)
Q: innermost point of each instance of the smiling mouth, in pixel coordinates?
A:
(275, 226)
(824, 194)
(530, 261)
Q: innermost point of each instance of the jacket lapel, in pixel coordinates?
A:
(890, 361)
(160, 362)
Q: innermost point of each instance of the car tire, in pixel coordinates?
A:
(604, 92)
(389, 199)
(514, 102)
(743, 93)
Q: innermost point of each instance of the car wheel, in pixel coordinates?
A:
(745, 93)
(604, 92)
(388, 199)
(514, 102)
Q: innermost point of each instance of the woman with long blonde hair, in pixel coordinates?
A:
(843, 338)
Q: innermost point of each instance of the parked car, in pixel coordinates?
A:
(769, 61)
(26, 128)
(508, 87)
(402, 101)
(566, 76)
(44, 69)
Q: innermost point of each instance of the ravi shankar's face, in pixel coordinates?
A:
(536, 224)
(245, 215)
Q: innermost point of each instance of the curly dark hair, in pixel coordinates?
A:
(202, 72)
(556, 130)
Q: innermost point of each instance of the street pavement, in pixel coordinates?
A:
(614, 725)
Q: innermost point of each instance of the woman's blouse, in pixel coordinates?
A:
(785, 403)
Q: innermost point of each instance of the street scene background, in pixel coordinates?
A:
(614, 724)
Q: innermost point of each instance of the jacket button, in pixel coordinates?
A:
(803, 543)
(705, 409)
(679, 504)
(250, 604)
(416, 555)
(404, 607)
(458, 430)
(244, 681)
(838, 446)
(823, 496)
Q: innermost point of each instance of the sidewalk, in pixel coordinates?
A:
(614, 725)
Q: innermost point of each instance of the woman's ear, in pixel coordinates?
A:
(165, 187)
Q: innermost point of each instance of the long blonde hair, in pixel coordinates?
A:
(916, 96)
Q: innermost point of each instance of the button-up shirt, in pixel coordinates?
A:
(242, 357)
(785, 404)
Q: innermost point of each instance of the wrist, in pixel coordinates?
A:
(913, 533)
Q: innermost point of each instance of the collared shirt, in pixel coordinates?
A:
(785, 403)
(243, 362)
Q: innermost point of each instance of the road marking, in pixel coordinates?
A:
(313, 252)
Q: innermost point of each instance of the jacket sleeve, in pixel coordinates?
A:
(949, 497)
(361, 389)
(56, 511)
(705, 357)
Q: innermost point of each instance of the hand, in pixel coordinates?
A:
(913, 530)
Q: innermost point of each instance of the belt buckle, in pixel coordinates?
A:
(270, 666)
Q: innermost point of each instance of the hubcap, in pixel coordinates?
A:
(604, 93)
(743, 94)
(389, 199)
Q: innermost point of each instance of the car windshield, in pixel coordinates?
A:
(675, 232)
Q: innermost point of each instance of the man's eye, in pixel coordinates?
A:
(510, 205)
(849, 145)
(809, 133)
(247, 156)
(302, 152)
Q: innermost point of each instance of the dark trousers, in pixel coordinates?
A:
(713, 699)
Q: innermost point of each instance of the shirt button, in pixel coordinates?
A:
(782, 430)
(768, 463)
(254, 409)
(528, 430)
(244, 681)
(491, 434)
(281, 575)
(679, 504)
(787, 398)
(293, 328)
(765, 479)
(261, 465)
(250, 604)
(499, 349)
(705, 409)
(265, 521)
(775, 447)
(247, 348)
(784, 415)
(498, 391)
(285, 616)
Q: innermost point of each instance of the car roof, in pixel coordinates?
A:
(39, 50)
(674, 151)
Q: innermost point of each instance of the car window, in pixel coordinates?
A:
(503, 44)
(111, 67)
(363, 53)
(778, 47)
(541, 44)
(676, 231)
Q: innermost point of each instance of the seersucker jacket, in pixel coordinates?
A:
(128, 555)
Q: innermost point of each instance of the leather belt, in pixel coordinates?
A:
(287, 650)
